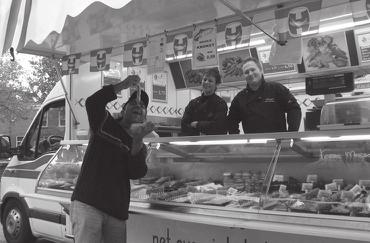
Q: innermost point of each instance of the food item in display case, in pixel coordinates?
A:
(218, 201)
(304, 206)
(239, 190)
(339, 210)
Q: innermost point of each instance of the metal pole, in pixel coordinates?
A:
(65, 91)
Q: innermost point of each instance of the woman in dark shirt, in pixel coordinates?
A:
(207, 113)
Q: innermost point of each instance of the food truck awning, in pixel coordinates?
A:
(59, 27)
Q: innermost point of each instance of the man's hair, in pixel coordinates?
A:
(214, 73)
(255, 60)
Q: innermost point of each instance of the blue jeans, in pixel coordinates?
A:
(90, 225)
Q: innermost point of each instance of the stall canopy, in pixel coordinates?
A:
(60, 27)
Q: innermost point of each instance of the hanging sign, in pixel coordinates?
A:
(204, 46)
(100, 59)
(159, 87)
(291, 23)
(268, 69)
(325, 52)
(135, 54)
(179, 44)
(156, 53)
(70, 64)
(233, 33)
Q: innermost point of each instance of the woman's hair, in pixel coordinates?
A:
(255, 60)
(214, 73)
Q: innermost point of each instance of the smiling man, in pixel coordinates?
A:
(262, 106)
(115, 154)
(206, 114)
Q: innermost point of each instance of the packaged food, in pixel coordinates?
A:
(324, 194)
(331, 187)
(356, 190)
(307, 187)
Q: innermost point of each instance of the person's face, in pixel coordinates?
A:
(134, 112)
(209, 85)
(252, 74)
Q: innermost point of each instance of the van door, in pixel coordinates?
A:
(58, 181)
(38, 147)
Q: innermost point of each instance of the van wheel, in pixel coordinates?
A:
(16, 226)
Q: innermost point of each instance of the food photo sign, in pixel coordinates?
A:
(204, 46)
(193, 78)
(325, 52)
(231, 65)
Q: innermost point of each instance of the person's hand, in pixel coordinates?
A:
(194, 124)
(139, 130)
(131, 80)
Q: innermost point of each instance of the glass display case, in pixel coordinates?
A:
(323, 173)
(301, 179)
(354, 110)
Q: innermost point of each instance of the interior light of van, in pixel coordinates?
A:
(221, 142)
(340, 138)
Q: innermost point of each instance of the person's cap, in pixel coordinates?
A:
(143, 97)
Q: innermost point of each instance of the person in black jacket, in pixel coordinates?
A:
(115, 154)
(207, 113)
(261, 106)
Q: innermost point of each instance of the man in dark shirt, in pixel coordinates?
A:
(261, 106)
(206, 114)
(115, 154)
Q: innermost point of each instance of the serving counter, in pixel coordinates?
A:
(276, 187)
(271, 187)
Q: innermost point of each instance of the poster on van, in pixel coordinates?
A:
(325, 52)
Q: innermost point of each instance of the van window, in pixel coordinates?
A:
(42, 139)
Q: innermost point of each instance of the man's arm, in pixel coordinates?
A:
(234, 117)
(291, 107)
(95, 106)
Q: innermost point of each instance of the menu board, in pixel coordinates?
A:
(363, 41)
(269, 69)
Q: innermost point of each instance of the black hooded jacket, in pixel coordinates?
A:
(108, 164)
(264, 110)
(209, 111)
